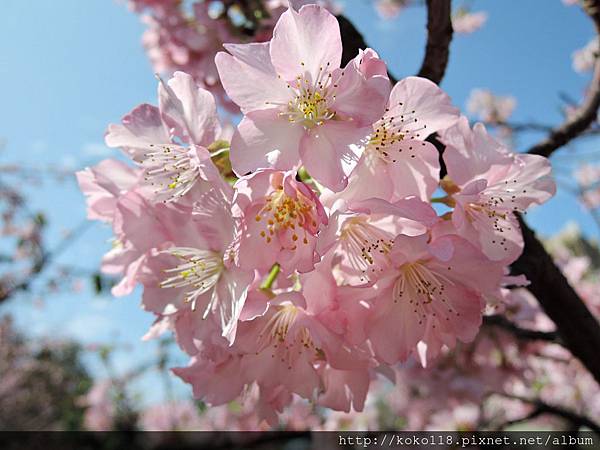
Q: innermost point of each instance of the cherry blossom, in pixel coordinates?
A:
(300, 258)
(487, 184)
(170, 142)
(298, 105)
(488, 107)
(466, 22)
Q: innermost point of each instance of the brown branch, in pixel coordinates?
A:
(541, 408)
(521, 333)
(439, 36)
(576, 326)
(587, 113)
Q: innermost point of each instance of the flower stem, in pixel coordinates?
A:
(271, 277)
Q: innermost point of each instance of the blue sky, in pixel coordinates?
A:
(70, 67)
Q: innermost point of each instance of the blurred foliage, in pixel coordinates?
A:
(40, 384)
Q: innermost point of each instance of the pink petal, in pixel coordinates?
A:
(189, 107)
(249, 77)
(263, 139)
(310, 36)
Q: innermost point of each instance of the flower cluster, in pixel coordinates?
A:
(584, 58)
(331, 250)
(467, 22)
(489, 107)
(186, 36)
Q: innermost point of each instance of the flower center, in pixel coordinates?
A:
(169, 168)
(282, 214)
(390, 130)
(199, 270)
(311, 102)
(275, 336)
(366, 246)
(421, 286)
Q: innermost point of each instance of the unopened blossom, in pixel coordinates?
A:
(281, 218)
(431, 293)
(466, 22)
(298, 105)
(489, 107)
(487, 184)
(585, 58)
(170, 142)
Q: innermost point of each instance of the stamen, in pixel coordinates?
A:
(311, 101)
(365, 245)
(200, 270)
(421, 287)
(170, 169)
(287, 217)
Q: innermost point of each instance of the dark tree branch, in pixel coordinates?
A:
(439, 36)
(521, 333)
(576, 326)
(587, 113)
(540, 408)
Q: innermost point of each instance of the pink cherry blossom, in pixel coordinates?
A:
(298, 105)
(172, 416)
(432, 294)
(361, 235)
(299, 264)
(489, 184)
(397, 162)
(489, 107)
(280, 220)
(585, 58)
(103, 184)
(388, 9)
(170, 141)
(101, 410)
(466, 22)
(588, 175)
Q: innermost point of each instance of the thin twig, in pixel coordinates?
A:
(521, 333)
(42, 263)
(587, 112)
(541, 408)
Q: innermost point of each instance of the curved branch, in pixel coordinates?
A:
(439, 36)
(541, 407)
(587, 113)
(521, 333)
(576, 326)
